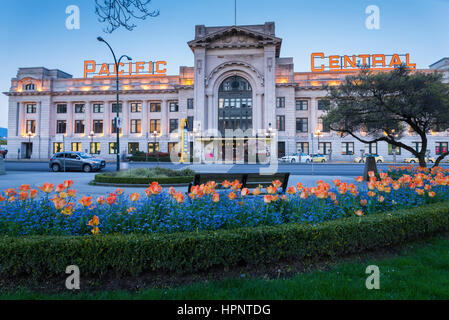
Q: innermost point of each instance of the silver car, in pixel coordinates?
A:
(77, 161)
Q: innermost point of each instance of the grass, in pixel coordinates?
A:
(157, 172)
(419, 271)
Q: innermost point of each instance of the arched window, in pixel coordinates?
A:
(29, 87)
(235, 101)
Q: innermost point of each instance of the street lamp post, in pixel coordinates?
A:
(29, 135)
(91, 136)
(154, 134)
(117, 64)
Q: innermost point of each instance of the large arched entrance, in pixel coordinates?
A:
(235, 111)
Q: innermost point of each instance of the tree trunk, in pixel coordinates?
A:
(370, 165)
(422, 160)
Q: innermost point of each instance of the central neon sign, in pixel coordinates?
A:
(128, 69)
(357, 62)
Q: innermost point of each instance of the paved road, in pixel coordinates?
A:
(331, 169)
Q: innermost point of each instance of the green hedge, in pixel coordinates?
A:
(42, 256)
(102, 178)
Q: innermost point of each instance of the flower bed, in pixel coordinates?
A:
(60, 212)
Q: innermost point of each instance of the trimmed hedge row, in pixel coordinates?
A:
(190, 252)
(134, 180)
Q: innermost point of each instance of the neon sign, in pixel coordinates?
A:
(126, 69)
(358, 62)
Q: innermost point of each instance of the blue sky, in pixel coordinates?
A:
(33, 32)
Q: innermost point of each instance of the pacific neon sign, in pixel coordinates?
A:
(358, 62)
(126, 69)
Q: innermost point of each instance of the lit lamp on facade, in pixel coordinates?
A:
(318, 133)
(91, 136)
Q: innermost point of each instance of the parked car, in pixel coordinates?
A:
(415, 160)
(319, 158)
(75, 161)
(379, 159)
(297, 158)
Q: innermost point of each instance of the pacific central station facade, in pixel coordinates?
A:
(238, 81)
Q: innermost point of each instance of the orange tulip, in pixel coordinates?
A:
(359, 179)
(216, 197)
(232, 196)
(101, 201)
(134, 196)
(60, 188)
(71, 193)
(277, 183)
(359, 213)
(363, 202)
(24, 187)
(179, 197)
(85, 201)
(431, 194)
(371, 194)
(291, 190)
(95, 231)
(267, 198)
(10, 192)
(59, 203)
(68, 210)
(130, 209)
(118, 191)
(256, 191)
(68, 183)
(23, 196)
(33, 193)
(111, 199)
(226, 184)
(47, 187)
(271, 189)
(244, 192)
(95, 221)
(380, 198)
(284, 197)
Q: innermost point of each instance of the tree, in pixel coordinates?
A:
(121, 12)
(374, 107)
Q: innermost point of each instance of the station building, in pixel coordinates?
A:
(238, 81)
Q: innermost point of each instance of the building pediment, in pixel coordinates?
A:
(236, 37)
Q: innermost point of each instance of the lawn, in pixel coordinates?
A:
(417, 271)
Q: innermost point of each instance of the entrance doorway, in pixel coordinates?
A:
(27, 150)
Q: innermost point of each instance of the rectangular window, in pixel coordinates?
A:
(322, 125)
(173, 146)
(347, 148)
(173, 125)
(417, 146)
(280, 123)
(280, 102)
(323, 104)
(31, 108)
(325, 148)
(135, 126)
(155, 107)
(136, 107)
(79, 126)
(61, 126)
(133, 147)
(302, 105)
(112, 148)
(58, 147)
(190, 123)
(153, 147)
(114, 108)
(95, 147)
(155, 125)
(98, 126)
(97, 108)
(31, 126)
(392, 148)
(61, 108)
(281, 149)
(440, 147)
(302, 125)
(76, 146)
(80, 108)
(189, 103)
(371, 148)
(174, 107)
(302, 147)
(114, 127)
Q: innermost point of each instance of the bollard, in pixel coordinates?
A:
(370, 165)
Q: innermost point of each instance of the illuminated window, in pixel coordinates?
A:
(280, 123)
(95, 147)
(31, 126)
(112, 147)
(392, 148)
(173, 146)
(155, 125)
(97, 108)
(135, 126)
(325, 148)
(371, 148)
(153, 147)
(76, 146)
(58, 147)
(440, 147)
(174, 107)
(136, 107)
(133, 147)
(155, 107)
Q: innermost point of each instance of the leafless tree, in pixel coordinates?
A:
(121, 13)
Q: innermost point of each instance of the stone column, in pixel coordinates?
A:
(210, 112)
(145, 125)
(165, 121)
